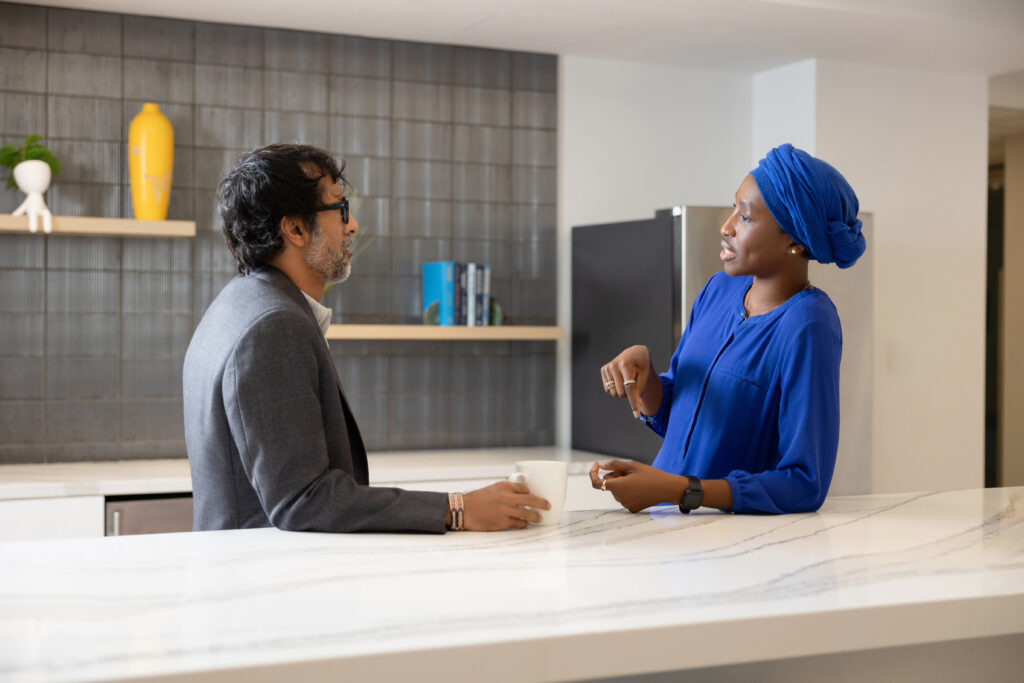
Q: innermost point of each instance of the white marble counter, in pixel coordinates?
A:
(603, 594)
(133, 477)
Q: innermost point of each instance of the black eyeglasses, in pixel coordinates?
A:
(342, 205)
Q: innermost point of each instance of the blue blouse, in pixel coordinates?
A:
(755, 401)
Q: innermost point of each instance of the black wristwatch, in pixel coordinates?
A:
(693, 496)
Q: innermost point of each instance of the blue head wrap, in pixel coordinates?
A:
(812, 203)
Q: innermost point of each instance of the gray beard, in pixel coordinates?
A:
(332, 267)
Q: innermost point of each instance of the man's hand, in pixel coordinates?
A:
(637, 486)
(504, 505)
(631, 374)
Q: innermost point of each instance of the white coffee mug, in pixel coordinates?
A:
(547, 479)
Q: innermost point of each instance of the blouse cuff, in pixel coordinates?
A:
(659, 421)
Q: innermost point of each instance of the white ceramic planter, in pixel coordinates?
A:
(32, 176)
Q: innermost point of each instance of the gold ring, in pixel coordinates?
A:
(604, 484)
(609, 385)
(629, 381)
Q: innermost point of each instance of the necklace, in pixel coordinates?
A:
(746, 298)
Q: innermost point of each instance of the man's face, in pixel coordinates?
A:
(329, 254)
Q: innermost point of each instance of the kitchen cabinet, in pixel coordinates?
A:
(33, 519)
(154, 514)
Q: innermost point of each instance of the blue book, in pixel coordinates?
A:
(485, 294)
(439, 293)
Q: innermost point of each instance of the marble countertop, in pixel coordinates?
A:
(133, 477)
(603, 594)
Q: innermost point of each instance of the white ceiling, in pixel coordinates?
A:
(978, 36)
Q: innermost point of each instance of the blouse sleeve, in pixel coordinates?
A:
(808, 428)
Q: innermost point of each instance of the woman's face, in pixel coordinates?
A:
(752, 242)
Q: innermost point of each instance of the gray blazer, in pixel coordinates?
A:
(270, 437)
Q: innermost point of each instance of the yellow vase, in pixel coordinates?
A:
(150, 162)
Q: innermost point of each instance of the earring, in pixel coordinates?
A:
(794, 251)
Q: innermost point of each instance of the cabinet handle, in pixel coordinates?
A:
(115, 523)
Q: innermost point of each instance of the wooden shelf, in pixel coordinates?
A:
(453, 333)
(122, 227)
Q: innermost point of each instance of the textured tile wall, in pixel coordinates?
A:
(452, 150)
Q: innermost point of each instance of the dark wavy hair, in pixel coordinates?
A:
(266, 185)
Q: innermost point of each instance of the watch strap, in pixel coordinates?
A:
(693, 496)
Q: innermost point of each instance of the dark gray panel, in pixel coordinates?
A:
(74, 31)
(359, 96)
(158, 80)
(483, 144)
(535, 185)
(534, 109)
(409, 255)
(21, 114)
(423, 218)
(536, 222)
(533, 147)
(22, 69)
(295, 91)
(482, 106)
(83, 378)
(75, 421)
(238, 129)
(83, 118)
(310, 129)
(70, 199)
(85, 291)
(78, 74)
(21, 423)
(226, 44)
(82, 334)
(24, 25)
(22, 334)
(423, 140)
(425, 62)
(21, 251)
(80, 253)
(482, 221)
(21, 377)
(296, 51)
(534, 71)
(152, 420)
(481, 67)
(356, 56)
(423, 179)
(230, 86)
(422, 101)
(157, 38)
(88, 161)
(356, 135)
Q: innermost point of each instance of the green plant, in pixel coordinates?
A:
(11, 156)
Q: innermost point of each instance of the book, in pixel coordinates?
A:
(472, 302)
(460, 293)
(485, 295)
(439, 293)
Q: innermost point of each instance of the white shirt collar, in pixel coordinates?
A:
(321, 312)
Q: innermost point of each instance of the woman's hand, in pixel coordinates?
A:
(637, 486)
(631, 374)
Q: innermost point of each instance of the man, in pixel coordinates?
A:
(270, 437)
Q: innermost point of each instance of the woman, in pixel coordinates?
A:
(749, 406)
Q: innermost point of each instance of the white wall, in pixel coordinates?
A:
(634, 138)
(914, 144)
(784, 106)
